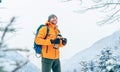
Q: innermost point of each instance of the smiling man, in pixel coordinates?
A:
(50, 45)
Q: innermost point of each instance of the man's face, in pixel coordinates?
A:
(53, 20)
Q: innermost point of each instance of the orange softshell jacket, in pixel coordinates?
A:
(48, 50)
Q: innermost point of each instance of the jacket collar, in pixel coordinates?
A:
(54, 26)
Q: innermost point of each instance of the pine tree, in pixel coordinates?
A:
(91, 65)
(105, 62)
(84, 66)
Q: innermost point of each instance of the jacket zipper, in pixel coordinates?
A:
(55, 53)
(47, 49)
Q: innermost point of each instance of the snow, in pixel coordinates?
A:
(9, 62)
(112, 41)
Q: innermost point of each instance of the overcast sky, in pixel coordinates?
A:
(81, 30)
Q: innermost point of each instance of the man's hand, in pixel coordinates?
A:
(55, 41)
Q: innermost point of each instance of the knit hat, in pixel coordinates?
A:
(51, 16)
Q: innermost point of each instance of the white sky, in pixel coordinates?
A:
(81, 30)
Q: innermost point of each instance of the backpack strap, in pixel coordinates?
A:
(47, 32)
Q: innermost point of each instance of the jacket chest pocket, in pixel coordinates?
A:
(52, 34)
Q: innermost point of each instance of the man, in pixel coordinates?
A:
(50, 45)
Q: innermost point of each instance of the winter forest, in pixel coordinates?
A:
(92, 29)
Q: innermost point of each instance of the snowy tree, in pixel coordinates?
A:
(105, 62)
(84, 66)
(91, 65)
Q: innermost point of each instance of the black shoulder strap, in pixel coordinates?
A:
(47, 32)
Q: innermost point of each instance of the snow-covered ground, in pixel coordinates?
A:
(112, 41)
(10, 60)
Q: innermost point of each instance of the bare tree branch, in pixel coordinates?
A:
(4, 48)
(17, 49)
(9, 30)
(100, 6)
(6, 29)
(110, 18)
(20, 66)
(112, 6)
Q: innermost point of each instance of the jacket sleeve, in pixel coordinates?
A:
(61, 45)
(40, 37)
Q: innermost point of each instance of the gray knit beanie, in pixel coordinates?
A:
(51, 16)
